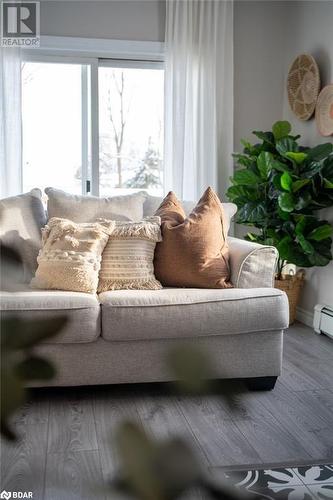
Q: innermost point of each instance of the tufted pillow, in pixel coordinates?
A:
(127, 261)
(70, 258)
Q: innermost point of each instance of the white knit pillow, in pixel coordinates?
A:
(70, 258)
(128, 258)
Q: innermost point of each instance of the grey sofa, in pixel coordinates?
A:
(124, 336)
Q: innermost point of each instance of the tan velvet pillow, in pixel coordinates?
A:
(70, 258)
(194, 251)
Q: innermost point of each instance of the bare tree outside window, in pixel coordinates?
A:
(131, 129)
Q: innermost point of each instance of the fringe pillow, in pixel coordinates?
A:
(70, 258)
(127, 260)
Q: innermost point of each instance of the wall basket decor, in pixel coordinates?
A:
(324, 111)
(303, 86)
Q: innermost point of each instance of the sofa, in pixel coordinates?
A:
(123, 336)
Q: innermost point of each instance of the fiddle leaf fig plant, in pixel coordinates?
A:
(279, 188)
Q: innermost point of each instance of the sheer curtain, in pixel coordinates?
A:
(198, 96)
(10, 122)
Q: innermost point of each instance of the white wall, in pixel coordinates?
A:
(312, 32)
(268, 36)
(118, 19)
(259, 42)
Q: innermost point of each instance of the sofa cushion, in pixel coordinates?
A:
(71, 255)
(191, 312)
(21, 220)
(194, 250)
(152, 203)
(90, 208)
(82, 310)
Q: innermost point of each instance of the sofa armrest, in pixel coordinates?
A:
(251, 265)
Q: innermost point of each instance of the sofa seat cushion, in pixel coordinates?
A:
(191, 312)
(82, 310)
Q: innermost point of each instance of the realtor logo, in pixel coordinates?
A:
(20, 24)
(16, 494)
(5, 494)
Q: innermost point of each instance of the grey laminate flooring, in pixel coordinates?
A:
(65, 443)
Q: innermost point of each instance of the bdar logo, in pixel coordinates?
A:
(5, 494)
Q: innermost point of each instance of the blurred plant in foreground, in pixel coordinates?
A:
(19, 365)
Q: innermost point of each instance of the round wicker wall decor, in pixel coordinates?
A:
(303, 85)
(324, 111)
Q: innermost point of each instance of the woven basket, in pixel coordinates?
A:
(303, 86)
(292, 285)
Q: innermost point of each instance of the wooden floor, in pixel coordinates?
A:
(65, 446)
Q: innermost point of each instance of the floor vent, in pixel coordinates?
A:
(323, 320)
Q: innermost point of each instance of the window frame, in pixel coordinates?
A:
(95, 53)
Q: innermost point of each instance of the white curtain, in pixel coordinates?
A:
(198, 96)
(10, 122)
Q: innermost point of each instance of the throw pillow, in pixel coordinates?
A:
(70, 258)
(127, 261)
(194, 251)
(21, 220)
(90, 208)
(152, 203)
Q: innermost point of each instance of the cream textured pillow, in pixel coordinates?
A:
(127, 261)
(90, 208)
(70, 258)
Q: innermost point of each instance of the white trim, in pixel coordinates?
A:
(94, 129)
(100, 48)
(304, 316)
(84, 128)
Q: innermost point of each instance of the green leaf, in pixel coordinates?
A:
(312, 169)
(265, 163)
(321, 256)
(303, 201)
(243, 159)
(22, 335)
(251, 213)
(281, 167)
(283, 246)
(286, 145)
(286, 202)
(300, 226)
(320, 152)
(297, 185)
(281, 129)
(321, 232)
(234, 192)
(265, 136)
(328, 184)
(298, 158)
(306, 245)
(245, 177)
(35, 368)
(286, 181)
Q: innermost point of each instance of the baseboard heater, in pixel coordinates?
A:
(323, 320)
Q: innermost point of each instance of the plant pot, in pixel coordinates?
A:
(292, 285)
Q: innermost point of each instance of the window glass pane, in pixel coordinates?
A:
(131, 130)
(52, 96)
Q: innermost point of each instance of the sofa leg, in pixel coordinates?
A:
(261, 383)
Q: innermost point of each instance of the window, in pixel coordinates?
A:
(92, 125)
(130, 129)
(56, 145)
